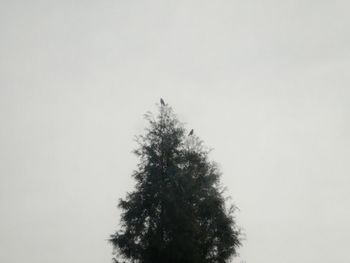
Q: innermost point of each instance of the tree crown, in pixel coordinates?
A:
(177, 211)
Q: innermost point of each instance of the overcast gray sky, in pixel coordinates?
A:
(265, 83)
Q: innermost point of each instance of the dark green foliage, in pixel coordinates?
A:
(177, 212)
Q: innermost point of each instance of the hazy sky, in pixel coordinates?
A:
(265, 83)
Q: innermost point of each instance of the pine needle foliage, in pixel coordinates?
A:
(177, 212)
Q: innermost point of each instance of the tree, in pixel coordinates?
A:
(177, 211)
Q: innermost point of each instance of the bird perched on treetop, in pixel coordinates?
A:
(162, 102)
(191, 132)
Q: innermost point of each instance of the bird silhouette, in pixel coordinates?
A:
(162, 102)
(191, 132)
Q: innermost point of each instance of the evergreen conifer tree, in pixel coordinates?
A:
(177, 211)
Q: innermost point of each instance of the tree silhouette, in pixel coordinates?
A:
(177, 211)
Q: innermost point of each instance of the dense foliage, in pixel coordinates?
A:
(177, 212)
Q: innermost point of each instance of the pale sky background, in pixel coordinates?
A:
(265, 83)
